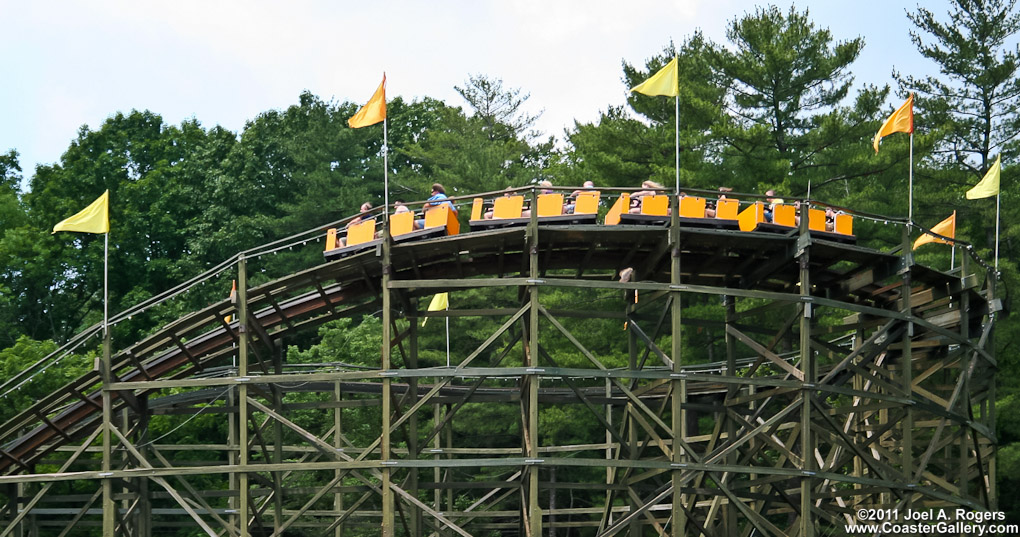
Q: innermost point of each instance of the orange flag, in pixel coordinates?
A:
(902, 120)
(374, 110)
(946, 228)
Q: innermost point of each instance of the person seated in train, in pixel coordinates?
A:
(830, 219)
(568, 208)
(710, 206)
(651, 188)
(363, 216)
(437, 199)
(546, 188)
(772, 201)
(399, 207)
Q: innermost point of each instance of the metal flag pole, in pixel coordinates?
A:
(447, 332)
(106, 284)
(910, 175)
(677, 136)
(109, 509)
(386, 176)
(997, 196)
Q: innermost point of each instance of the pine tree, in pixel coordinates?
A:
(976, 97)
(785, 76)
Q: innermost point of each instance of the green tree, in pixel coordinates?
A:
(12, 215)
(489, 150)
(500, 110)
(141, 161)
(784, 74)
(977, 93)
(11, 212)
(973, 105)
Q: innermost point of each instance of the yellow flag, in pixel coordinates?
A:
(902, 120)
(439, 302)
(92, 219)
(665, 82)
(374, 110)
(946, 228)
(989, 185)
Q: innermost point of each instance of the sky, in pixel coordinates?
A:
(67, 63)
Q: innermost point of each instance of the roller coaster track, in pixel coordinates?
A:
(669, 261)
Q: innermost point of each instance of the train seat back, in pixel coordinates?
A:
(550, 205)
(727, 209)
(622, 205)
(844, 224)
(361, 232)
(655, 205)
(508, 207)
(331, 239)
(784, 215)
(442, 216)
(587, 203)
(750, 217)
(692, 207)
(816, 220)
(476, 209)
(401, 223)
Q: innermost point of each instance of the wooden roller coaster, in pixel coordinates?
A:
(845, 378)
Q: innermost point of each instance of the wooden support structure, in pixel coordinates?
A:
(754, 383)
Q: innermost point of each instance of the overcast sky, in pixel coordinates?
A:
(66, 64)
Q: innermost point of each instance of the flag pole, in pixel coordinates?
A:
(447, 334)
(106, 284)
(105, 369)
(910, 174)
(997, 196)
(677, 146)
(386, 177)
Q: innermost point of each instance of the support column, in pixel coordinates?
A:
(437, 494)
(233, 450)
(679, 386)
(965, 360)
(143, 512)
(808, 368)
(907, 372)
(860, 436)
(993, 495)
(388, 506)
(730, 511)
(106, 374)
(242, 395)
(632, 440)
(338, 497)
(447, 480)
(534, 518)
(416, 518)
(127, 518)
(278, 439)
(14, 506)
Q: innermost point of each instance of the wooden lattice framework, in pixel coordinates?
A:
(797, 426)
